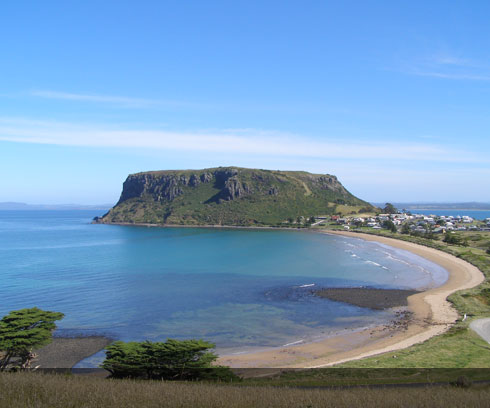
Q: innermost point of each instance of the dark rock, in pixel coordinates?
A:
(371, 298)
(194, 181)
(233, 189)
(206, 177)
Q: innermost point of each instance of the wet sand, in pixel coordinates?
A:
(65, 352)
(430, 314)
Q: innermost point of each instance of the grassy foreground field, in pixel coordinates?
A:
(34, 390)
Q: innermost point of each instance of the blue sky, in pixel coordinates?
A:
(392, 97)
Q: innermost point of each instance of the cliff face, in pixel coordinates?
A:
(227, 196)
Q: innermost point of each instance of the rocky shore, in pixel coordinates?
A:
(372, 298)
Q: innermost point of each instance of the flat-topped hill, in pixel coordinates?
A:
(228, 196)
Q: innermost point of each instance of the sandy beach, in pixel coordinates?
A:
(431, 314)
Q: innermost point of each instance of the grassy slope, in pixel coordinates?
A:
(298, 195)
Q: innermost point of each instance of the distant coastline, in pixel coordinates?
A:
(465, 206)
(16, 206)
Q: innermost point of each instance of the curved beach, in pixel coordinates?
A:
(432, 315)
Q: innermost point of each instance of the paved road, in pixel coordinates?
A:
(482, 327)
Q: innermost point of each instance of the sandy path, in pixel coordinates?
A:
(432, 315)
(482, 328)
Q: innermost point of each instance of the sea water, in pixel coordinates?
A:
(237, 288)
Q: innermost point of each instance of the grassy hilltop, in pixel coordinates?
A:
(229, 196)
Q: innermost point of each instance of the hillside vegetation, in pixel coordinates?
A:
(229, 196)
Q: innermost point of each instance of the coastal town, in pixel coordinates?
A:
(408, 223)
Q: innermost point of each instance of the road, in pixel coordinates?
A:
(482, 327)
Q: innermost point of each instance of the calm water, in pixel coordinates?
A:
(237, 288)
(476, 214)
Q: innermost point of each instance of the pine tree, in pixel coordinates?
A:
(21, 332)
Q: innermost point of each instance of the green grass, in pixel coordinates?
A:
(459, 348)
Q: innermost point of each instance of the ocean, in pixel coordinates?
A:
(238, 288)
(475, 214)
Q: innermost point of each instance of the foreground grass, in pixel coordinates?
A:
(34, 390)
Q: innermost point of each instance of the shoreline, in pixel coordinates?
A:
(429, 314)
(432, 315)
(205, 226)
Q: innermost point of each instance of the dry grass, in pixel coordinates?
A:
(31, 390)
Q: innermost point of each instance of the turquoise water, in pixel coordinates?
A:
(237, 288)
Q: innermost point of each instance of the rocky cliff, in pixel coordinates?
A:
(227, 196)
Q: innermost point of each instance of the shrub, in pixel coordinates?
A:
(169, 360)
(452, 239)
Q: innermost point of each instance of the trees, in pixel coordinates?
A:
(22, 331)
(358, 223)
(452, 238)
(390, 209)
(169, 360)
(388, 224)
(405, 228)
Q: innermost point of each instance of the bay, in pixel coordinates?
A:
(237, 288)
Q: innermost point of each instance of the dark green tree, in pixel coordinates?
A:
(169, 360)
(21, 332)
(358, 223)
(405, 228)
(390, 209)
(390, 225)
(452, 239)
(429, 232)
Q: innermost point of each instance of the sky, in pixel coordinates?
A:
(391, 97)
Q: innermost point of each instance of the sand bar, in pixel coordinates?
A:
(432, 315)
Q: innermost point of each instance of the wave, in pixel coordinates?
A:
(372, 263)
(293, 343)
